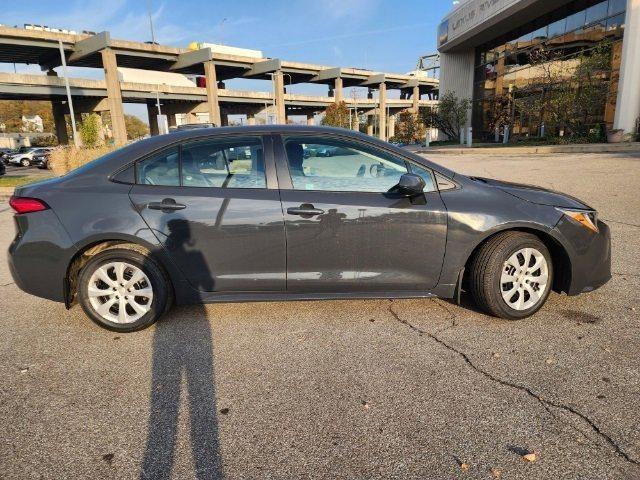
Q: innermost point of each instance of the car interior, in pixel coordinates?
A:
(207, 164)
(344, 169)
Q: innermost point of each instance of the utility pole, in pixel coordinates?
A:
(221, 36)
(153, 37)
(158, 98)
(76, 141)
(354, 95)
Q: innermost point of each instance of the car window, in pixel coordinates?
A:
(224, 163)
(160, 169)
(332, 164)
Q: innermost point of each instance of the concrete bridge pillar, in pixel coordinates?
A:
(213, 106)
(191, 117)
(382, 109)
(311, 119)
(171, 119)
(278, 85)
(337, 90)
(369, 125)
(152, 112)
(100, 127)
(416, 98)
(628, 101)
(392, 126)
(59, 111)
(355, 124)
(251, 119)
(114, 96)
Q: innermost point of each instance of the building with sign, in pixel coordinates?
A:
(570, 67)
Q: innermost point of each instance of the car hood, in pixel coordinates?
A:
(533, 194)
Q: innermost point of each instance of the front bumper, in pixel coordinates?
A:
(589, 255)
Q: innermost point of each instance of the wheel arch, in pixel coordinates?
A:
(92, 247)
(559, 255)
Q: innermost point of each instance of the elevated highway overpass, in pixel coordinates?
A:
(100, 51)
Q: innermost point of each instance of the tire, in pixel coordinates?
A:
(501, 259)
(25, 162)
(147, 310)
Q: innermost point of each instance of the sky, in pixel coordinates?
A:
(381, 35)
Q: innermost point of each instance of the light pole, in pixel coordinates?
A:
(354, 95)
(158, 98)
(221, 25)
(273, 84)
(290, 80)
(153, 37)
(76, 141)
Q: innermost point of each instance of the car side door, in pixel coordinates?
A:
(214, 205)
(346, 229)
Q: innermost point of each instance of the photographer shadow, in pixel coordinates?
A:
(183, 352)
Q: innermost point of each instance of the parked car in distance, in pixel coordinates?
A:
(192, 126)
(5, 152)
(323, 151)
(25, 158)
(13, 152)
(244, 214)
(41, 160)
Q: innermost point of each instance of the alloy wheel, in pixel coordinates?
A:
(120, 292)
(524, 279)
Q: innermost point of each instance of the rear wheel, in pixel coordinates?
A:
(25, 162)
(123, 290)
(511, 275)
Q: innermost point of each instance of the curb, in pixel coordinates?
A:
(584, 148)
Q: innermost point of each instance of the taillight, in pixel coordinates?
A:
(27, 204)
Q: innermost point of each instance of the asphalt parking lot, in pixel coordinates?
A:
(341, 389)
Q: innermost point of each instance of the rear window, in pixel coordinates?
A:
(160, 169)
(224, 162)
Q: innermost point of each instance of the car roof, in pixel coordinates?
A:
(145, 146)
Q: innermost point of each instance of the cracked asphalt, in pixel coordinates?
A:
(341, 389)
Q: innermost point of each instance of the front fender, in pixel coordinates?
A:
(475, 214)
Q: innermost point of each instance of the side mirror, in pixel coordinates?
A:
(410, 185)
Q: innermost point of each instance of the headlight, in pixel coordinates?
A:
(586, 218)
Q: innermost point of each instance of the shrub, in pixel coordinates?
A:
(337, 115)
(135, 127)
(90, 131)
(449, 116)
(63, 160)
(409, 129)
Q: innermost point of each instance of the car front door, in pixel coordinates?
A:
(345, 231)
(214, 205)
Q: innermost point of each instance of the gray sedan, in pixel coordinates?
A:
(254, 213)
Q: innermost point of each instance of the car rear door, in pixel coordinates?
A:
(214, 205)
(345, 231)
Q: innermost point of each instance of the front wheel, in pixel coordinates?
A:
(123, 289)
(511, 275)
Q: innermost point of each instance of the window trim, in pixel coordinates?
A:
(261, 137)
(282, 162)
(270, 181)
(154, 153)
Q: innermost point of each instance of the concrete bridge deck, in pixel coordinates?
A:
(101, 51)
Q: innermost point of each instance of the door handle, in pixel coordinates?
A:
(168, 204)
(305, 209)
